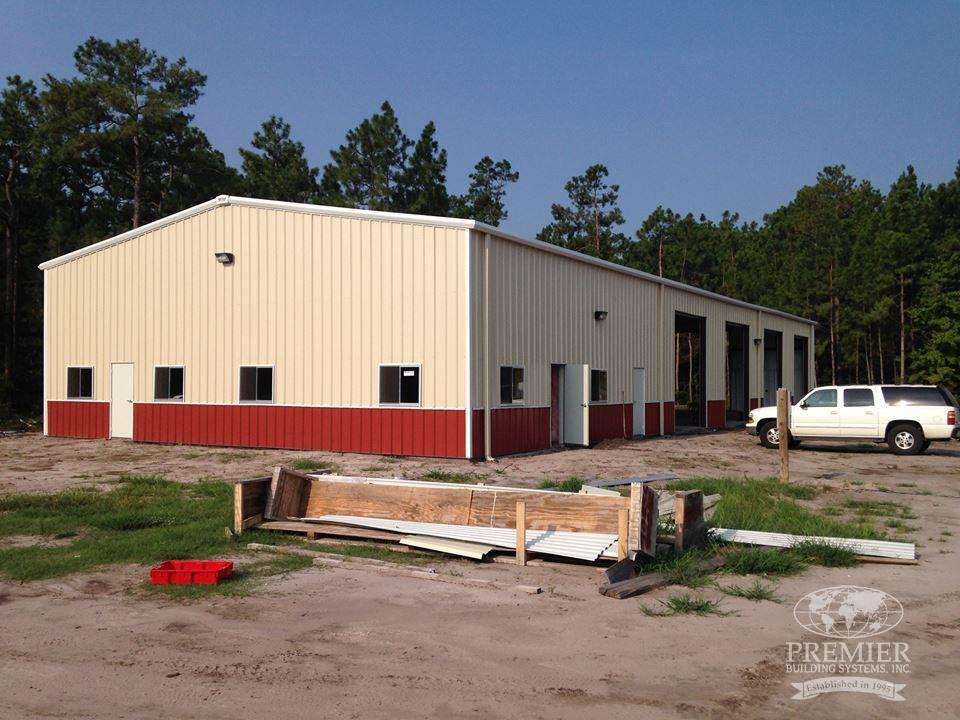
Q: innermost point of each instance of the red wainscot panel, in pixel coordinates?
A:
(716, 413)
(754, 403)
(669, 417)
(513, 430)
(652, 419)
(385, 431)
(610, 421)
(78, 418)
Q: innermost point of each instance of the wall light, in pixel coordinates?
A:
(224, 258)
(757, 341)
(600, 315)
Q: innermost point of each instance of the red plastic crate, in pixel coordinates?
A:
(181, 572)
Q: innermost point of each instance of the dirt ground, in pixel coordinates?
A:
(355, 643)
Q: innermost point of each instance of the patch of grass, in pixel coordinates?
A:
(683, 569)
(771, 506)
(879, 508)
(826, 554)
(756, 591)
(762, 561)
(684, 604)
(244, 580)
(316, 464)
(141, 519)
(447, 476)
(568, 485)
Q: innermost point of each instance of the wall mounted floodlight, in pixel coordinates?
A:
(757, 341)
(224, 258)
(600, 315)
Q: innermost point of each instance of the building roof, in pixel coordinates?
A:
(223, 200)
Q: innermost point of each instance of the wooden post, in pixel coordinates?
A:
(691, 530)
(783, 428)
(521, 533)
(238, 508)
(623, 528)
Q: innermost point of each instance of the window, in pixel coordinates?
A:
(598, 386)
(80, 383)
(167, 383)
(399, 385)
(916, 396)
(821, 398)
(511, 385)
(256, 384)
(858, 397)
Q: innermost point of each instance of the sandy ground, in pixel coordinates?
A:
(353, 643)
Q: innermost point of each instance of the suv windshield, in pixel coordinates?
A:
(902, 395)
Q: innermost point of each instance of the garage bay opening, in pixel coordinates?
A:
(690, 370)
(737, 375)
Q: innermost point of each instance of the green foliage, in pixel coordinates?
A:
(588, 224)
(761, 561)
(569, 485)
(756, 591)
(315, 464)
(448, 476)
(276, 168)
(143, 519)
(822, 553)
(484, 199)
(684, 604)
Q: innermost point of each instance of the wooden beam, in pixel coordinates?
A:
(688, 515)
(521, 533)
(783, 428)
(238, 508)
(623, 528)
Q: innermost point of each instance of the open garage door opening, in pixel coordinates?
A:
(690, 366)
(801, 383)
(737, 377)
(772, 365)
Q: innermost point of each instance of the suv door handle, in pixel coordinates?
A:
(833, 412)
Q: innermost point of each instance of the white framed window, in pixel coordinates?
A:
(256, 383)
(399, 384)
(598, 385)
(511, 385)
(168, 383)
(80, 383)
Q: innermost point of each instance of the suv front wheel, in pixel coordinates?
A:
(906, 439)
(769, 435)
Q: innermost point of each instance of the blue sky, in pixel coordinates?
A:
(697, 106)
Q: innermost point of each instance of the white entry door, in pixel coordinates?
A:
(576, 406)
(639, 401)
(121, 400)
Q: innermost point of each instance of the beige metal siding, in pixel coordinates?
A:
(324, 299)
(541, 312)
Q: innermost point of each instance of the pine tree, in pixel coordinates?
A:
(423, 184)
(276, 168)
(484, 199)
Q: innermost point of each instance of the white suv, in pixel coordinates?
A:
(906, 417)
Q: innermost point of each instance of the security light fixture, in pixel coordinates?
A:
(600, 315)
(757, 341)
(224, 258)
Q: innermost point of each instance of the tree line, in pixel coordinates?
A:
(115, 146)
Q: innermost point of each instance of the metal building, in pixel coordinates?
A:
(271, 324)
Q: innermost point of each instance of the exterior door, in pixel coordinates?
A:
(576, 406)
(639, 401)
(858, 415)
(121, 400)
(817, 415)
(556, 404)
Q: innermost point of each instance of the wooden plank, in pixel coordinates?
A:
(521, 515)
(251, 521)
(255, 494)
(623, 526)
(393, 502)
(651, 581)
(288, 494)
(783, 427)
(691, 530)
(549, 511)
(618, 572)
(238, 508)
(649, 515)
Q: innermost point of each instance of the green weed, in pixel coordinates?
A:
(684, 604)
(756, 591)
(569, 485)
(447, 476)
(761, 561)
(315, 465)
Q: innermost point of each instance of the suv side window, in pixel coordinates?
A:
(858, 397)
(822, 398)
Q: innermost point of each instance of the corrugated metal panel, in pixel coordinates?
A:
(875, 548)
(391, 431)
(80, 419)
(582, 546)
(324, 299)
(476, 551)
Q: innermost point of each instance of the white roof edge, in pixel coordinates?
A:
(222, 200)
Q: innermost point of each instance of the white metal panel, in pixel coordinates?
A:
(477, 551)
(874, 548)
(121, 400)
(639, 401)
(576, 415)
(579, 545)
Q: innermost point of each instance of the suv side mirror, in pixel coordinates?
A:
(803, 404)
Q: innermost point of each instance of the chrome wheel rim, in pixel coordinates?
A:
(904, 440)
(773, 436)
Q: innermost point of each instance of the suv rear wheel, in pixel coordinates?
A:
(905, 439)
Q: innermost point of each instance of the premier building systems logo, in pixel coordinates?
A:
(848, 615)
